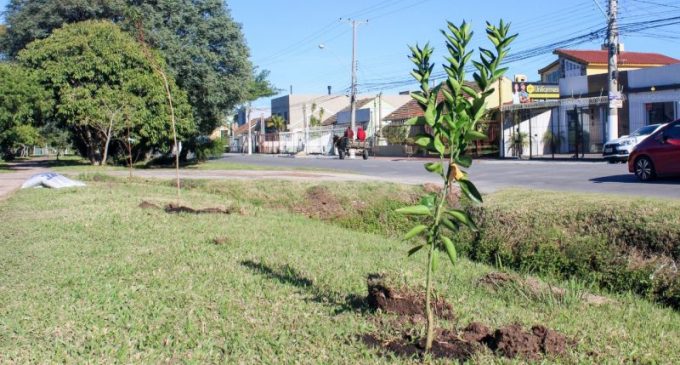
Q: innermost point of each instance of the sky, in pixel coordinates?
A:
(307, 44)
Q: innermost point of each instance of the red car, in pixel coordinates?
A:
(658, 154)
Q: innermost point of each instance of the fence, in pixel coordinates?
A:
(319, 141)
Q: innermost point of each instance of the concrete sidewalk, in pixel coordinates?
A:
(12, 181)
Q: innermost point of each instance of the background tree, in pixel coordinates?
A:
(98, 76)
(203, 47)
(313, 120)
(24, 104)
(277, 122)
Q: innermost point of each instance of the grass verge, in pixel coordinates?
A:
(90, 277)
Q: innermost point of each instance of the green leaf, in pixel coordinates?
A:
(470, 191)
(435, 260)
(430, 114)
(462, 217)
(423, 140)
(475, 136)
(414, 250)
(435, 167)
(450, 225)
(465, 161)
(415, 210)
(450, 249)
(415, 231)
(428, 200)
(419, 98)
(438, 145)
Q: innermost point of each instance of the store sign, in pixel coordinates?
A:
(527, 92)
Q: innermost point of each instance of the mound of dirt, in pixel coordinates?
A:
(512, 341)
(397, 336)
(320, 203)
(176, 208)
(446, 345)
(403, 302)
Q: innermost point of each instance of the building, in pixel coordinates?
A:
(572, 62)
(255, 112)
(395, 120)
(369, 112)
(295, 109)
(576, 124)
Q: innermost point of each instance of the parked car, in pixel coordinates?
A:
(657, 155)
(619, 149)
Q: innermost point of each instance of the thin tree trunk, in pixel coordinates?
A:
(140, 32)
(105, 153)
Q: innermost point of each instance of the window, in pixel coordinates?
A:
(660, 112)
(673, 132)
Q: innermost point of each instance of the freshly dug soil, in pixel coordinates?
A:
(397, 336)
(320, 203)
(510, 341)
(175, 208)
(402, 302)
(446, 345)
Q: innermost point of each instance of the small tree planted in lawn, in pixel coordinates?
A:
(451, 121)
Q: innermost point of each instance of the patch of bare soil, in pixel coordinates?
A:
(320, 203)
(403, 302)
(219, 241)
(176, 208)
(534, 287)
(397, 335)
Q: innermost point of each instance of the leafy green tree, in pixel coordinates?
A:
(55, 137)
(453, 122)
(102, 82)
(277, 122)
(24, 104)
(202, 45)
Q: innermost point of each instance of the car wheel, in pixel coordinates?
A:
(365, 154)
(644, 169)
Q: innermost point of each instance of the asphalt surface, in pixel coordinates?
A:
(490, 175)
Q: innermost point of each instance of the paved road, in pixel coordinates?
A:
(492, 175)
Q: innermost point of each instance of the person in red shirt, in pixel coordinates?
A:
(349, 133)
(361, 135)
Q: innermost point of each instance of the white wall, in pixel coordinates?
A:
(656, 76)
(638, 110)
(541, 121)
(575, 86)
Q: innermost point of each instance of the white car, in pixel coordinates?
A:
(619, 149)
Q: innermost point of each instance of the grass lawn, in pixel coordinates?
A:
(87, 276)
(77, 165)
(4, 167)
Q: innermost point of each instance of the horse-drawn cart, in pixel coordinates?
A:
(343, 145)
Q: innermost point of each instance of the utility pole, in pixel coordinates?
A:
(304, 119)
(353, 88)
(250, 135)
(379, 132)
(262, 132)
(614, 94)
